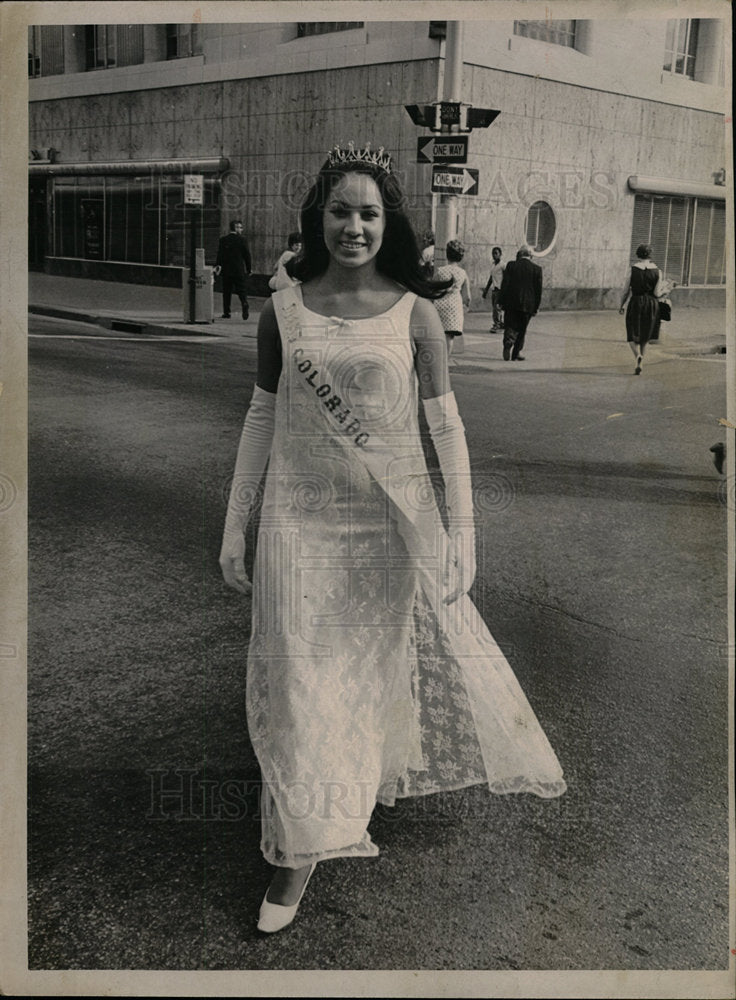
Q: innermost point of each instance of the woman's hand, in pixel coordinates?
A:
(232, 563)
(460, 566)
(621, 311)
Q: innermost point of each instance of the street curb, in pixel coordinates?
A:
(125, 324)
(128, 324)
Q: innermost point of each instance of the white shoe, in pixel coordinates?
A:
(273, 916)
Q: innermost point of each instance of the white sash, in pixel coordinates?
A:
(373, 451)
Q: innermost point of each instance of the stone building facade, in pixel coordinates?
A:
(593, 152)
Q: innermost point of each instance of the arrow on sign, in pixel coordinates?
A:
(468, 181)
(455, 180)
(424, 154)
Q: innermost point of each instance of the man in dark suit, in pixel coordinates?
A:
(521, 293)
(233, 262)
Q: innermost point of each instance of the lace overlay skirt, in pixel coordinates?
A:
(361, 685)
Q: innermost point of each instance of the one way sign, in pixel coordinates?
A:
(454, 180)
(446, 149)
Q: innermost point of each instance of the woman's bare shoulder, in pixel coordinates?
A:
(424, 316)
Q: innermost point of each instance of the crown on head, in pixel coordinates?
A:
(377, 158)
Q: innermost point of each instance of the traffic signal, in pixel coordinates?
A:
(422, 114)
(481, 117)
(450, 117)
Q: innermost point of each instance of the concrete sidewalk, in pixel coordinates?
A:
(555, 340)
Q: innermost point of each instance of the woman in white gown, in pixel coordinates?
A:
(370, 672)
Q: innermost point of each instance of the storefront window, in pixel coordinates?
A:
(687, 235)
(132, 219)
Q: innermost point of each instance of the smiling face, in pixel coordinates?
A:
(354, 221)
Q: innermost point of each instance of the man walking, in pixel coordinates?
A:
(521, 293)
(233, 261)
(494, 284)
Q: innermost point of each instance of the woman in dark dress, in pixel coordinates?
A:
(642, 311)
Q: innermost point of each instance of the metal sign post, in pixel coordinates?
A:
(194, 198)
(454, 119)
(449, 120)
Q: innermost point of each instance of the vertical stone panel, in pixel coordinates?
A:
(520, 96)
(212, 101)
(573, 147)
(512, 135)
(231, 97)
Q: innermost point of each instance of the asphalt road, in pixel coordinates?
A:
(602, 575)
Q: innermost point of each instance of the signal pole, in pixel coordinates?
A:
(446, 227)
(453, 120)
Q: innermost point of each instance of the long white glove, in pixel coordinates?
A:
(253, 452)
(448, 436)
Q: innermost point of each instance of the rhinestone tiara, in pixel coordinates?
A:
(377, 158)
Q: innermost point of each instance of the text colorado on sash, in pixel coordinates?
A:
(331, 401)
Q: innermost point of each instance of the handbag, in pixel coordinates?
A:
(661, 293)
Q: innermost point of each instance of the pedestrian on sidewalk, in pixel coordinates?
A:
(233, 262)
(280, 277)
(399, 690)
(641, 292)
(521, 294)
(427, 256)
(495, 278)
(450, 305)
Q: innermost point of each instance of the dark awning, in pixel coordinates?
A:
(204, 165)
(663, 185)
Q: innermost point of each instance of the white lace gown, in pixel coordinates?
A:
(361, 685)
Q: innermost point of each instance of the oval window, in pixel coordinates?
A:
(540, 226)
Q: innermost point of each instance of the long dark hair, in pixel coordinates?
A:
(398, 257)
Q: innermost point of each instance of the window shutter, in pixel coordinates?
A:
(700, 242)
(52, 49)
(660, 228)
(716, 273)
(130, 44)
(642, 225)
